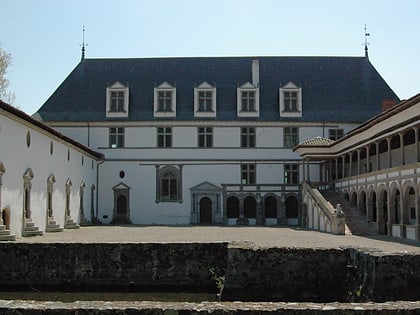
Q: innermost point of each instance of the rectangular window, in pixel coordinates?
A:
(164, 101)
(116, 137)
(335, 134)
(117, 101)
(205, 137)
(291, 137)
(164, 139)
(169, 190)
(205, 101)
(290, 101)
(291, 174)
(248, 137)
(248, 174)
(248, 101)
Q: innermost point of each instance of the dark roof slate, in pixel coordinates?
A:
(334, 89)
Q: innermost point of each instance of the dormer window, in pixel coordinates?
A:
(117, 100)
(248, 100)
(205, 100)
(290, 100)
(165, 100)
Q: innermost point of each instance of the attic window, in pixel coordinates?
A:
(165, 100)
(117, 100)
(290, 101)
(205, 100)
(248, 100)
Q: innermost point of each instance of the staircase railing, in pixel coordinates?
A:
(320, 214)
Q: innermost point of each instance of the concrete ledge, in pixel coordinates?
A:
(214, 308)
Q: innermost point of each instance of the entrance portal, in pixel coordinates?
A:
(121, 211)
(206, 211)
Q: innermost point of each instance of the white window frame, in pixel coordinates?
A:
(290, 87)
(117, 87)
(164, 87)
(248, 87)
(204, 87)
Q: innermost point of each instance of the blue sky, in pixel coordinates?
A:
(43, 36)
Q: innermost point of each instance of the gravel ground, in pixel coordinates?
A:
(260, 236)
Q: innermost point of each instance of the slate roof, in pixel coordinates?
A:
(334, 89)
(316, 142)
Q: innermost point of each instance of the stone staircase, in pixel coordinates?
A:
(70, 224)
(5, 234)
(355, 223)
(84, 221)
(30, 229)
(52, 226)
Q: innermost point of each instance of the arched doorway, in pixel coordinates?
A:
(363, 204)
(206, 211)
(292, 211)
(121, 213)
(121, 205)
(5, 216)
(270, 207)
(374, 215)
(383, 225)
(250, 207)
(232, 205)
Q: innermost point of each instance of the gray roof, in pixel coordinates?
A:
(334, 89)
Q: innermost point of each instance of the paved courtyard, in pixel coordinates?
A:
(260, 236)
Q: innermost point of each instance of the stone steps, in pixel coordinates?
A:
(52, 226)
(5, 234)
(355, 223)
(70, 224)
(30, 229)
(84, 221)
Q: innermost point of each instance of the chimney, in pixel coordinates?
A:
(387, 104)
(256, 73)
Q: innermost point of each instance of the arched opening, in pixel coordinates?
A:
(270, 207)
(232, 205)
(250, 207)
(5, 216)
(353, 200)
(383, 227)
(121, 211)
(374, 215)
(411, 206)
(363, 203)
(292, 211)
(121, 205)
(206, 211)
(397, 208)
(346, 197)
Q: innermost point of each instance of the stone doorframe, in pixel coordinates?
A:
(121, 189)
(211, 191)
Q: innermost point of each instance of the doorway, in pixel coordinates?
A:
(206, 211)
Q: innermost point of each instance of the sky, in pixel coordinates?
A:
(44, 36)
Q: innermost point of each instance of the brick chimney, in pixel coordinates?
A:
(387, 104)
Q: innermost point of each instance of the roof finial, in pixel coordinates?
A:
(366, 43)
(83, 45)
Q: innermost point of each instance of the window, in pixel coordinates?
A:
(248, 173)
(290, 100)
(165, 101)
(164, 137)
(335, 134)
(205, 137)
(291, 174)
(205, 100)
(248, 104)
(168, 184)
(291, 137)
(116, 137)
(248, 137)
(117, 100)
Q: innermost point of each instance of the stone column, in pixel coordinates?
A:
(303, 170)
(350, 164)
(343, 175)
(416, 140)
(336, 168)
(367, 159)
(378, 160)
(402, 148)
(308, 170)
(358, 161)
(388, 140)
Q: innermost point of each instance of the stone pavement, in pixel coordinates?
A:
(258, 236)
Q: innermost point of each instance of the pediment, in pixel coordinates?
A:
(205, 85)
(117, 85)
(290, 85)
(205, 186)
(165, 85)
(248, 85)
(121, 186)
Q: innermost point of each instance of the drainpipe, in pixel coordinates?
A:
(97, 188)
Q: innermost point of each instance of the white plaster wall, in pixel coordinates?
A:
(227, 137)
(184, 137)
(269, 137)
(141, 137)
(37, 156)
(270, 173)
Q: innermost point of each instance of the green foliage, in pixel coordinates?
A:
(5, 61)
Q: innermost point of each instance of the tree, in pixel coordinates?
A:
(5, 61)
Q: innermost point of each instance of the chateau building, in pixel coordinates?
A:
(209, 140)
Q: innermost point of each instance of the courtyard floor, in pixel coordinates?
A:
(258, 236)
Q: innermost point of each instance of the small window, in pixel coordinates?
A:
(165, 100)
(291, 174)
(164, 137)
(248, 173)
(205, 137)
(51, 148)
(205, 100)
(291, 137)
(335, 134)
(116, 137)
(117, 100)
(248, 104)
(290, 101)
(248, 137)
(28, 138)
